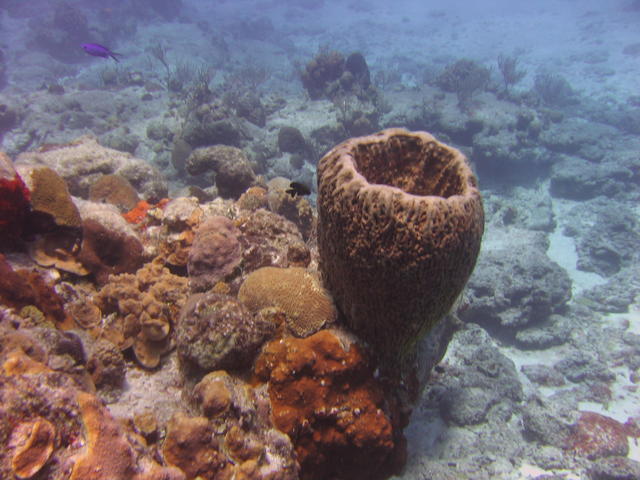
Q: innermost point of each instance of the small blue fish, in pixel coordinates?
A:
(98, 50)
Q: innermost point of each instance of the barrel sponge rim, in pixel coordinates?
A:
(404, 209)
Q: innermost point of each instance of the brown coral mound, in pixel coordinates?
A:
(115, 190)
(399, 230)
(215, 253)
(50, 199)
(325, 398)
(229, 165)
(108, 252)
(192, 447)
(298, 293)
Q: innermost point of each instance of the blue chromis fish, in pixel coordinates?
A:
(98, 50)
(297, 188)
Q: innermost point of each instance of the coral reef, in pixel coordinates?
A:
(215, 331)
(229, 167)
(212, 124)
(214, 254)
(82, 162)
(307, 306)
(269, 239)
(8, 115)
(324, 397)
(116, 190)
(141, 310)
(399, 230)
(497, 300)
(290, 140)
(234, 438)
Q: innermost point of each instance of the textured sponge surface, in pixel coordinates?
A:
(399, 231)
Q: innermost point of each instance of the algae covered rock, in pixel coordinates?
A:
(229, 166)
(84, 161)
(215, 332)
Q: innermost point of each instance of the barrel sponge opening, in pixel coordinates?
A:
(399, 231)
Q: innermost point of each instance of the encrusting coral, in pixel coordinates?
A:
(324, 396)
(144, 307)
(399, 230)
(307, 306)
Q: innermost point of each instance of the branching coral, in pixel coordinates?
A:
(464, 78)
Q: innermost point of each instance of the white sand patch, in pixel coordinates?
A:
(157, 391)
(562, 250)
(527, 471)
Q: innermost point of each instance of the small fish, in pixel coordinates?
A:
(297, 188)
(98, 50)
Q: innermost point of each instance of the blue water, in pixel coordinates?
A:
(555, 150)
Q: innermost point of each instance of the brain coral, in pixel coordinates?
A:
(399, 230)
(294, 290)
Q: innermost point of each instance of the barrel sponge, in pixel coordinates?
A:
(399, 231)
(307, 306)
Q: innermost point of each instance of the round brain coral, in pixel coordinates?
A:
(298, 293)
(399, 230)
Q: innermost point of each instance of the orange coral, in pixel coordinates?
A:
(108, 455)
(325, 398)
(138, 213)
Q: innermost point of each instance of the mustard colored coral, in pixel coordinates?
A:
(308, 307)
(50, 195)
